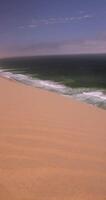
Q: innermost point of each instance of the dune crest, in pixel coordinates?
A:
(51, 147)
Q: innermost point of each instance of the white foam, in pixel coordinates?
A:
(97, 94)
(50, 85)
(96, 97)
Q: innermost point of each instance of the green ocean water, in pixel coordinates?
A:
(73, 75)
(73, 71)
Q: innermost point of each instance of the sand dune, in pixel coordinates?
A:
(51, 147)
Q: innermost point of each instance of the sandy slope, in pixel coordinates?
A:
(51, 148)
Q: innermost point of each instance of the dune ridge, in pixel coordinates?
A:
(51, 147)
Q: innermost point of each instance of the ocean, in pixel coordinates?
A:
(82, 77)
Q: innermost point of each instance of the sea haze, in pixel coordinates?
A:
(80, 76)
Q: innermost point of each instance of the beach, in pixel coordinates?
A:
(51, 147)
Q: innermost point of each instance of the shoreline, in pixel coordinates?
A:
(91, 96)
(51, 147)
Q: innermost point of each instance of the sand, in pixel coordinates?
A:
(51, 147)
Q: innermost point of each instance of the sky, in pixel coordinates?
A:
(45, 27)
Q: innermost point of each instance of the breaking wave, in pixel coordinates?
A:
(93, 96)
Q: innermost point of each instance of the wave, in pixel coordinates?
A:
(93, 96)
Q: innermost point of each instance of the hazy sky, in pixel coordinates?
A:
(32, 27)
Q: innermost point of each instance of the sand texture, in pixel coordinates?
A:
(51, 147)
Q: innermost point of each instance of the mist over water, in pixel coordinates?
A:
(81, 77)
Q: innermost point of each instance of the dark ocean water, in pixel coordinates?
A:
(82, 76)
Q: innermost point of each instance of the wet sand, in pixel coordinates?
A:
(51, 147)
